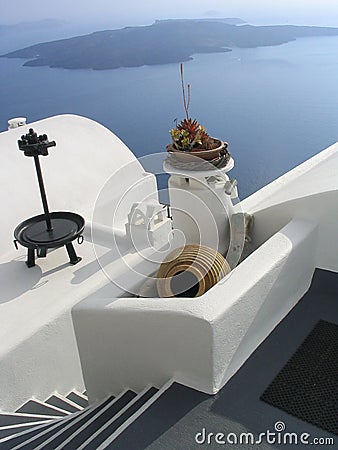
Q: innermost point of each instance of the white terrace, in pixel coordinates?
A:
(55, 315)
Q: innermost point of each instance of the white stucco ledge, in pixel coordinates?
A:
(309, 191)
(201, 343)
(198, 342)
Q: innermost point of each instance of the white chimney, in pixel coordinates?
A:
(16, 122)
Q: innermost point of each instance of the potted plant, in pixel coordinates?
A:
(191, 138)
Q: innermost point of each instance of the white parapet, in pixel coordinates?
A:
(202, 342)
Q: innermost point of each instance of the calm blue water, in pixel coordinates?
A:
(276, 106)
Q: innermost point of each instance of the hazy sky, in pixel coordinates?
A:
(133, 12)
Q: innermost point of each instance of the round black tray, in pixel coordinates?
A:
(33, 233)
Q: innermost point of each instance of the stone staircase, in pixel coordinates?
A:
(70, 423)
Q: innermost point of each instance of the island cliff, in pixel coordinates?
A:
(167, 41)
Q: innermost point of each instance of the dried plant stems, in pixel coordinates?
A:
(189, 135)
(186, 101)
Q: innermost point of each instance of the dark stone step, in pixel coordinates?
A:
(63, 404)
(9, 431)
(79, 400)
(14, 419)
(34, 407)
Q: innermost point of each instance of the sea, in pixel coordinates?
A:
(275, 106)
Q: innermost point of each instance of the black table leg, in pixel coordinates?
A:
(73, 258)
(30, 257)
(42, 252)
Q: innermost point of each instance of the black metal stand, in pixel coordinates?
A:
(48, 230)
(43, 193)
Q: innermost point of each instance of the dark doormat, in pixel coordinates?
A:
(307, 386)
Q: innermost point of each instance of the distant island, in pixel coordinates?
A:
(165, 41)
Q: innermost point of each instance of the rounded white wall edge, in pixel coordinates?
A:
(193, 341)
(36, 320)
(317, 174)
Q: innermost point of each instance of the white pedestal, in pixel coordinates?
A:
(200, 206)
